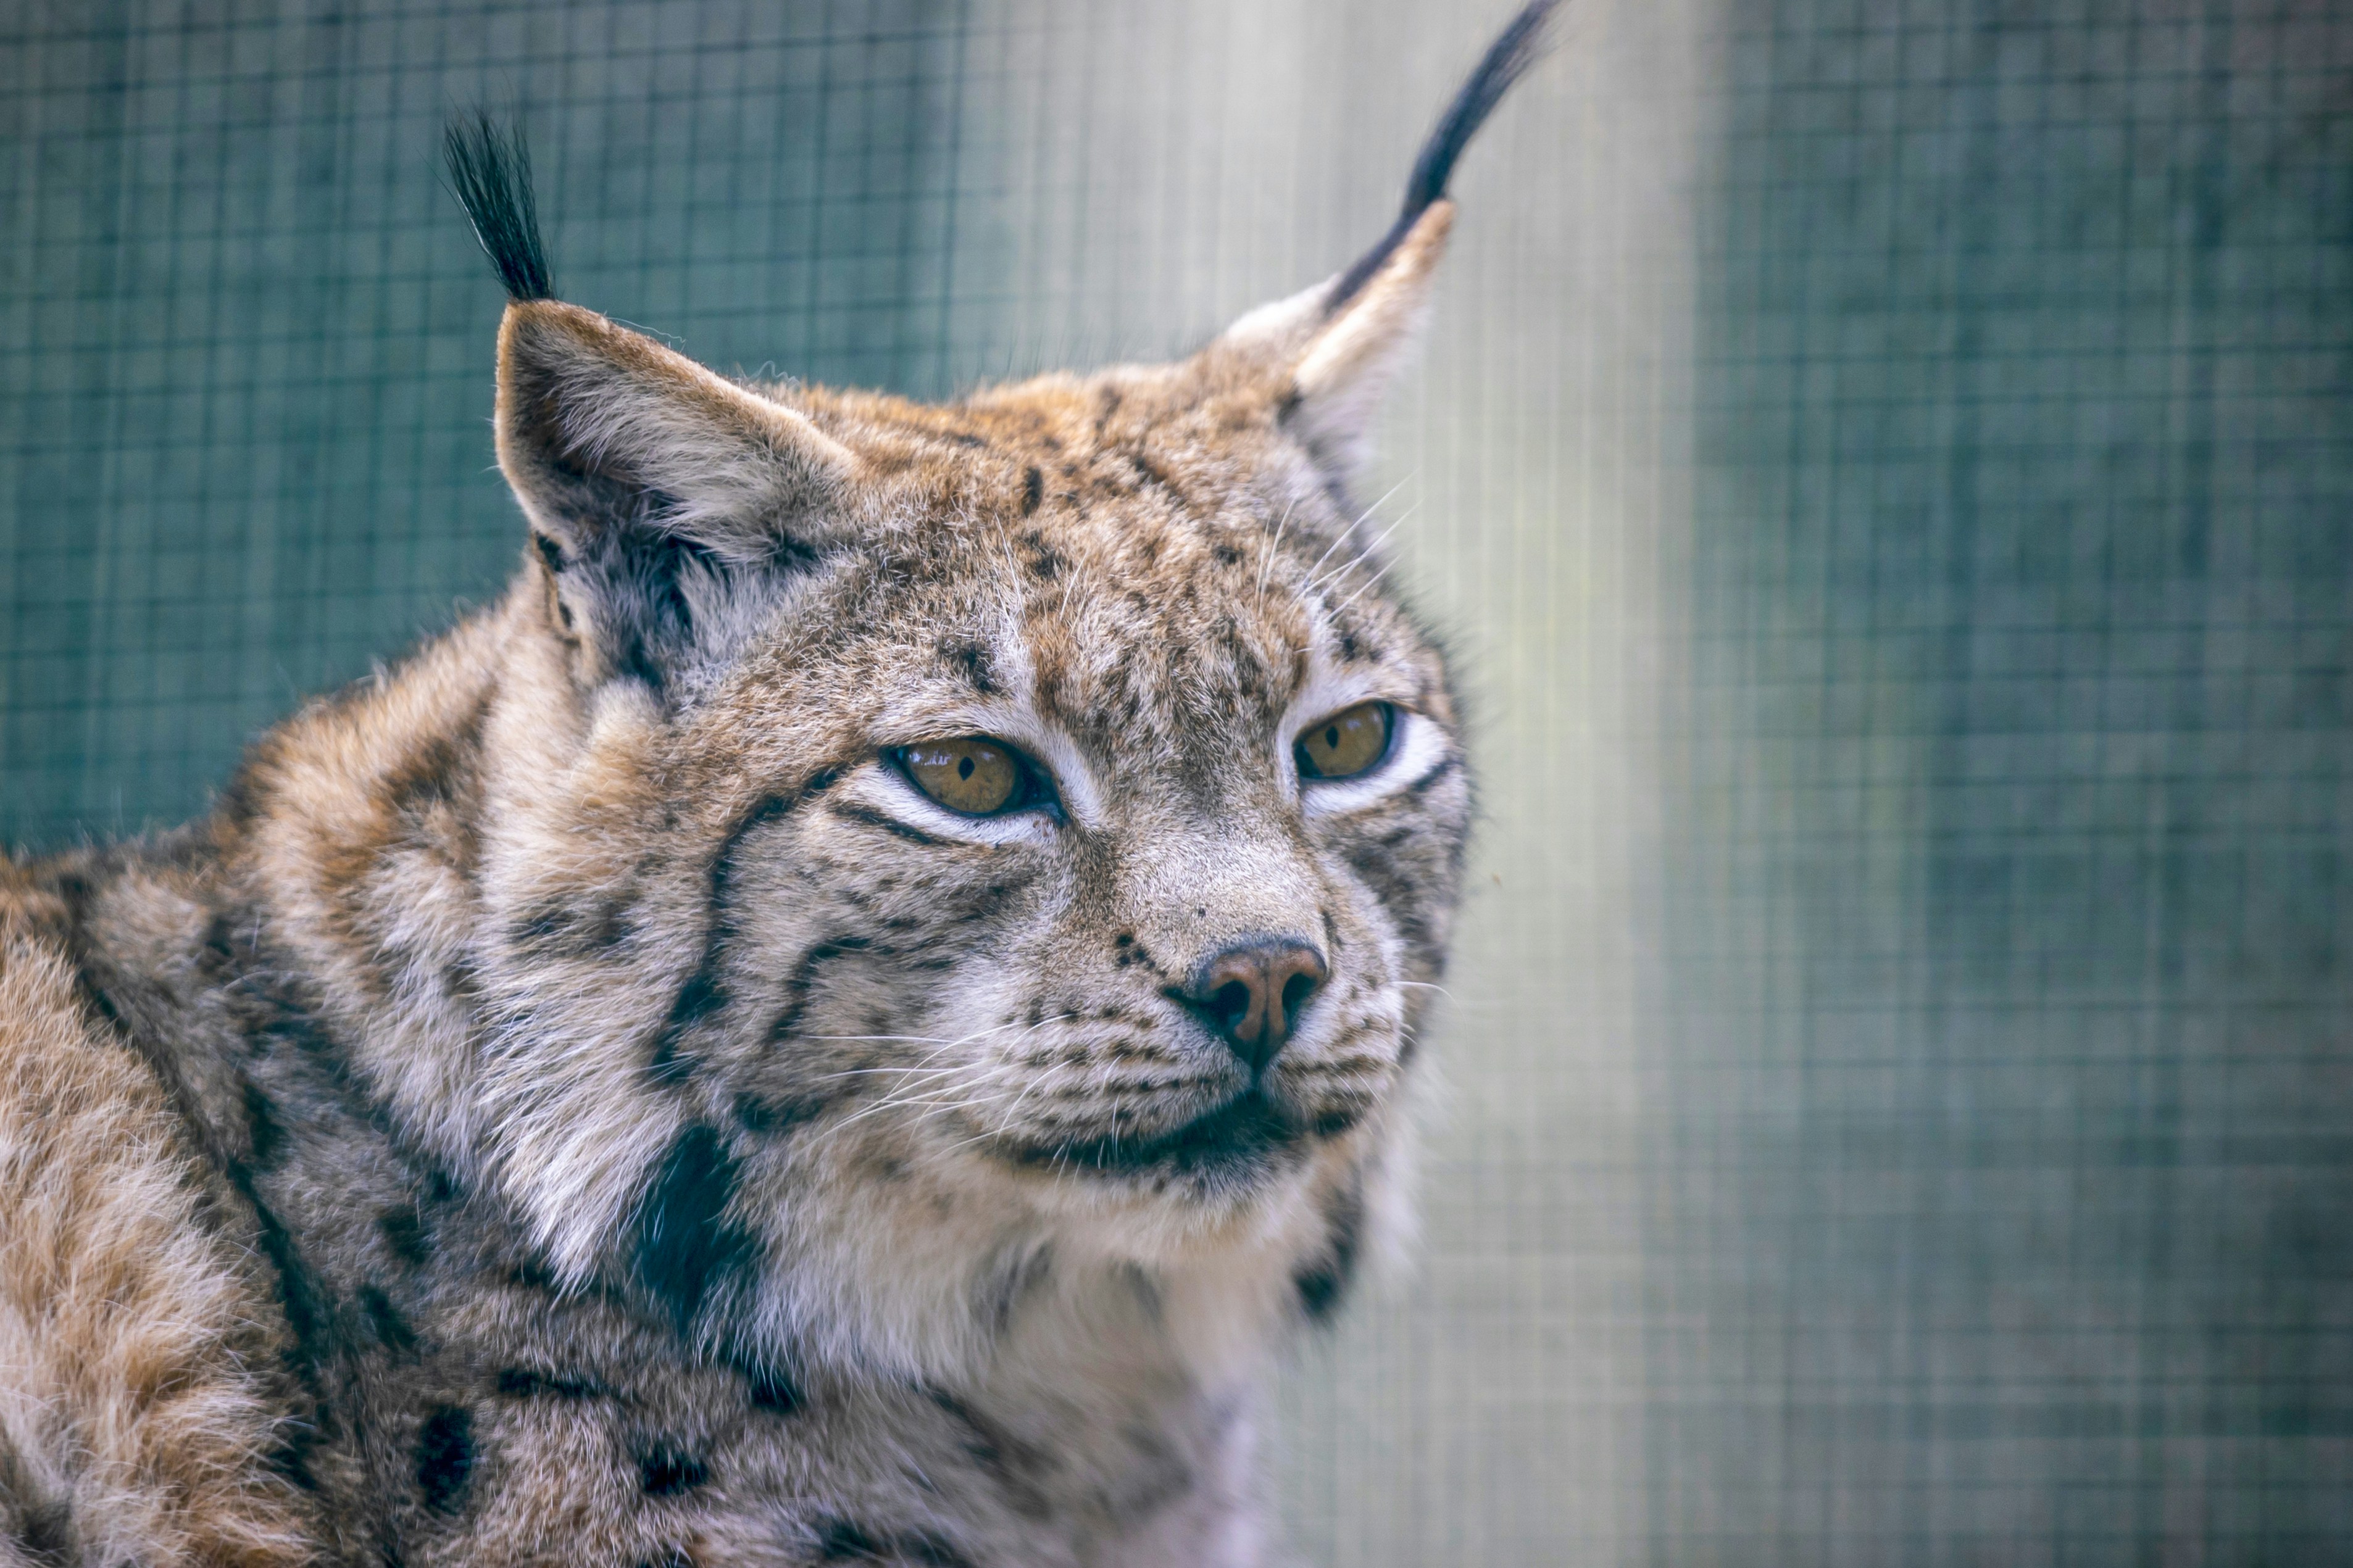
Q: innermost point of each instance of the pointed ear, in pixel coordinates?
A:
(1333, 351)
(1334, 362)
(658, 491)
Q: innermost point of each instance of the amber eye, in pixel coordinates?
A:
(1349, 743)
(974, 774)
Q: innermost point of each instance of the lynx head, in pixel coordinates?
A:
(938, 855)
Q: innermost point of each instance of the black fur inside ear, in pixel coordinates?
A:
(666, 499)
(1518, 47)
(625, 582)
(489, 173)
(640, 597)
(635, 583)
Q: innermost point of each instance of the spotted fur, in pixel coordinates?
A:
(574, 1100)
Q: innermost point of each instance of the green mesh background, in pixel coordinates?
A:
(2020, 862)
(1888, 468)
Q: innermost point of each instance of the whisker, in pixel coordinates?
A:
(1365, 587)
(921, 1039)
(916, 1071)
(1359, 558)
(890, 1039)
(939, 1044)
(917, 1095)
(898, 1102)
(1266, 562)
(1347, 532)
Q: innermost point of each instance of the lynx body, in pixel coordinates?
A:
(608, 1092)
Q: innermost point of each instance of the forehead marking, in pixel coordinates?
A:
(1017, 715)
(969, 659)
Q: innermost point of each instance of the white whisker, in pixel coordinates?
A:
(924, 1088)
(1349, 533)
(1362, 555)
(1274, 547)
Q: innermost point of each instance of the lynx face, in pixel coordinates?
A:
(1048, 851)
(997, 1037)
(1163, 964)
(941, 856)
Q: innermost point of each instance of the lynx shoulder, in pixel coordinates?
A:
(842, 1019)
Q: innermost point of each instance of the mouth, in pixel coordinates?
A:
(1239, 1138)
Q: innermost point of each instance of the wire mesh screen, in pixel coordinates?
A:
(246, 398)
(2022, 606)
(1886, 470)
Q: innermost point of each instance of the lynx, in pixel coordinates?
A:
(843, 1019)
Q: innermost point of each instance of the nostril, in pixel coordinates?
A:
(1296, 993)
(1231, 1005)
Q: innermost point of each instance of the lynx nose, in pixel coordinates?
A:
(1252, 995)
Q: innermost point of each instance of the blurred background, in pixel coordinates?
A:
(1885, 466)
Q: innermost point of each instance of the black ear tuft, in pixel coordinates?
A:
(489, 172)
(1517, 48)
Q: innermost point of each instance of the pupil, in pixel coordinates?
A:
(1332, 738)
(964, 768)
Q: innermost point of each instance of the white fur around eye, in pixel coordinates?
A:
(883, 788)
(1415, 747)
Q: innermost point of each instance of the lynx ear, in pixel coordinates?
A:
(1336, 362)
(657, 491)
(601, 428)
(1335, 347)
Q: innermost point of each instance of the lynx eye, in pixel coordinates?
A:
(1351, 741)
(974, 774)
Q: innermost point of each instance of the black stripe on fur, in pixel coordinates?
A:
(685, 1244)
(1324, 1284)
(445, 1458)
(1517, 48)
(840, 1540)
(705, 992)
(490, 174)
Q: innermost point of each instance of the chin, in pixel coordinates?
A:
(1233, 1141)
(1219, 1176)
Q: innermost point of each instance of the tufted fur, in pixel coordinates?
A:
(575, 1102)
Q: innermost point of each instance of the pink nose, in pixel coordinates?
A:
(1252, 993)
